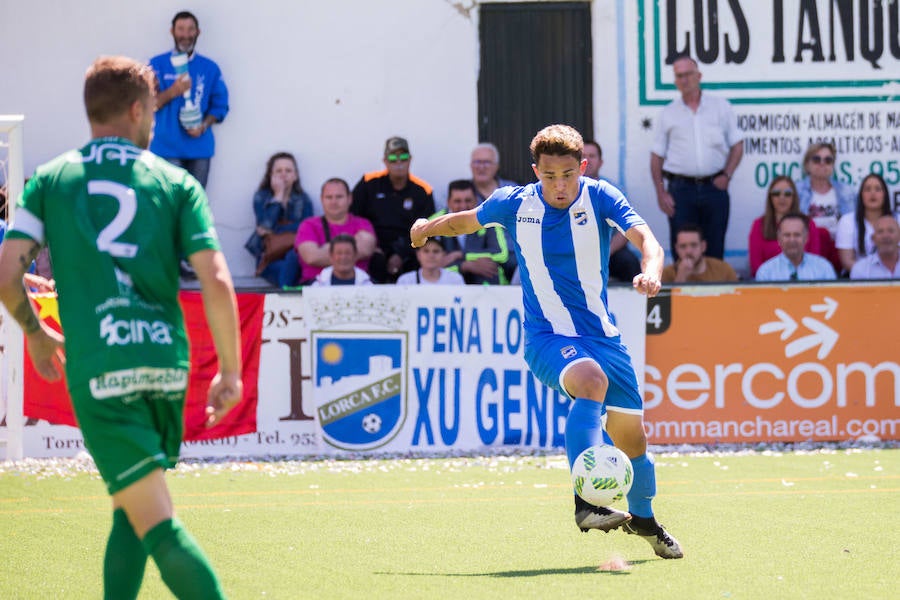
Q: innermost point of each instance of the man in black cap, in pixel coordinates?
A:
(392, 200)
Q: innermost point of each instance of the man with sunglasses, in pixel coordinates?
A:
(697, 149)
(392, 199)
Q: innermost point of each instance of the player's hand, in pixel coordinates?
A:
(666, 203)
(225, 391)
(45, 346)
(647, 284)
(416, 233)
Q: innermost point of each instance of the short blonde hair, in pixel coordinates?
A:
(557, 140)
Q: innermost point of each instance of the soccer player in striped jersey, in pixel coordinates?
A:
(561, 227)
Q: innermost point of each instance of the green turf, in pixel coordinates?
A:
(793, 525)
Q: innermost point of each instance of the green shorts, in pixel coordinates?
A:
(130, 436)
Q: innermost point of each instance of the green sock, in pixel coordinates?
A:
(181, 562)
(123, 565)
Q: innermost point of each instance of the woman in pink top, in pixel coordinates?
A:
(781, 199)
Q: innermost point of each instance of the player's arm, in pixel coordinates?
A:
(220, 304)
(457, 223)
(44, 344)
(652, 258)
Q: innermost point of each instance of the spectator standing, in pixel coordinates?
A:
(697, 149)
(884, 263)
(181, 135)
(343, 269)
(623, 263)
(483, 257)
(127, 379)
(485, 166)
(822, 197)
(431, 272)
(315, 233)
(392, 199)
(781, 199)
(794, 263)
(280, 205)
(693, 266)
(855, 229)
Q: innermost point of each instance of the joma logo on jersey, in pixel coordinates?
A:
(521, 219)
(134, 331)
(360, 387)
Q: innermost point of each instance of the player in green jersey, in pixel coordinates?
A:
(116, 219)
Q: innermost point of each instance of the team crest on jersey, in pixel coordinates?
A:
(568, 352)
(580, 216)
(360, 387)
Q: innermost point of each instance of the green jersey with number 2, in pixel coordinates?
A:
(117, 220)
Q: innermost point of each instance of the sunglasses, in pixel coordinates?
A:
(785, 193)
(392, 158)
(828, 160)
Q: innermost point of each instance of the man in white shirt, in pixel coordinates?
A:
(884, 263)
(697, 148)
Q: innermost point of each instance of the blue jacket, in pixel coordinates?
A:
(271, 215)
(846, 196)
(208, 89)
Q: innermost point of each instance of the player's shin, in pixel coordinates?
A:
(643, 488)
(124, 562)
(584, 427)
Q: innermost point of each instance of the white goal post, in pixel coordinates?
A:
(12, 345)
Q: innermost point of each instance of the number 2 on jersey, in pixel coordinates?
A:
(106, 239)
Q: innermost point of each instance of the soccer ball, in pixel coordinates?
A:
(601, 475)
(371, 423)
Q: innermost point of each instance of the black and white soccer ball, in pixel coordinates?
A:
(371, 423)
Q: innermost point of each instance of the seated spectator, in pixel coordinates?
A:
(392, 199)
(884, 263)
(794, 263)
(623, 263)
(854, 232)
(315, 233)
(692, 265)
(824, 199)
(280, 204)
(483, 257)
(343, 269)
(431, 257)
(485, 164)
(781, 200)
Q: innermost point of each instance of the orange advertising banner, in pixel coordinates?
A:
(773, 364)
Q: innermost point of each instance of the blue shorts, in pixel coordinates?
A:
(549, 356)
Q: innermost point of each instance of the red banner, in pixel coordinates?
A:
(51, 402)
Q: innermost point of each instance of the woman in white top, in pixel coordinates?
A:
(854, 233)
(822, 197)
(431, 257)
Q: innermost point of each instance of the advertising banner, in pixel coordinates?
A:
(773, 364)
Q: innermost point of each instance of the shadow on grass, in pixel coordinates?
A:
(524, 573)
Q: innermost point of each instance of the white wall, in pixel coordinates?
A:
(328, 81)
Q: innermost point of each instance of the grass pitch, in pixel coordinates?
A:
(783, 525)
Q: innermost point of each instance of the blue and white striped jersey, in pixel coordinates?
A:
(563, 253)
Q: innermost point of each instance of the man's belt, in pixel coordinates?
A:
(691, 179)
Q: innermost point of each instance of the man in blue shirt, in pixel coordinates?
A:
(794, 263)
(561, 228)
(200, 92)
